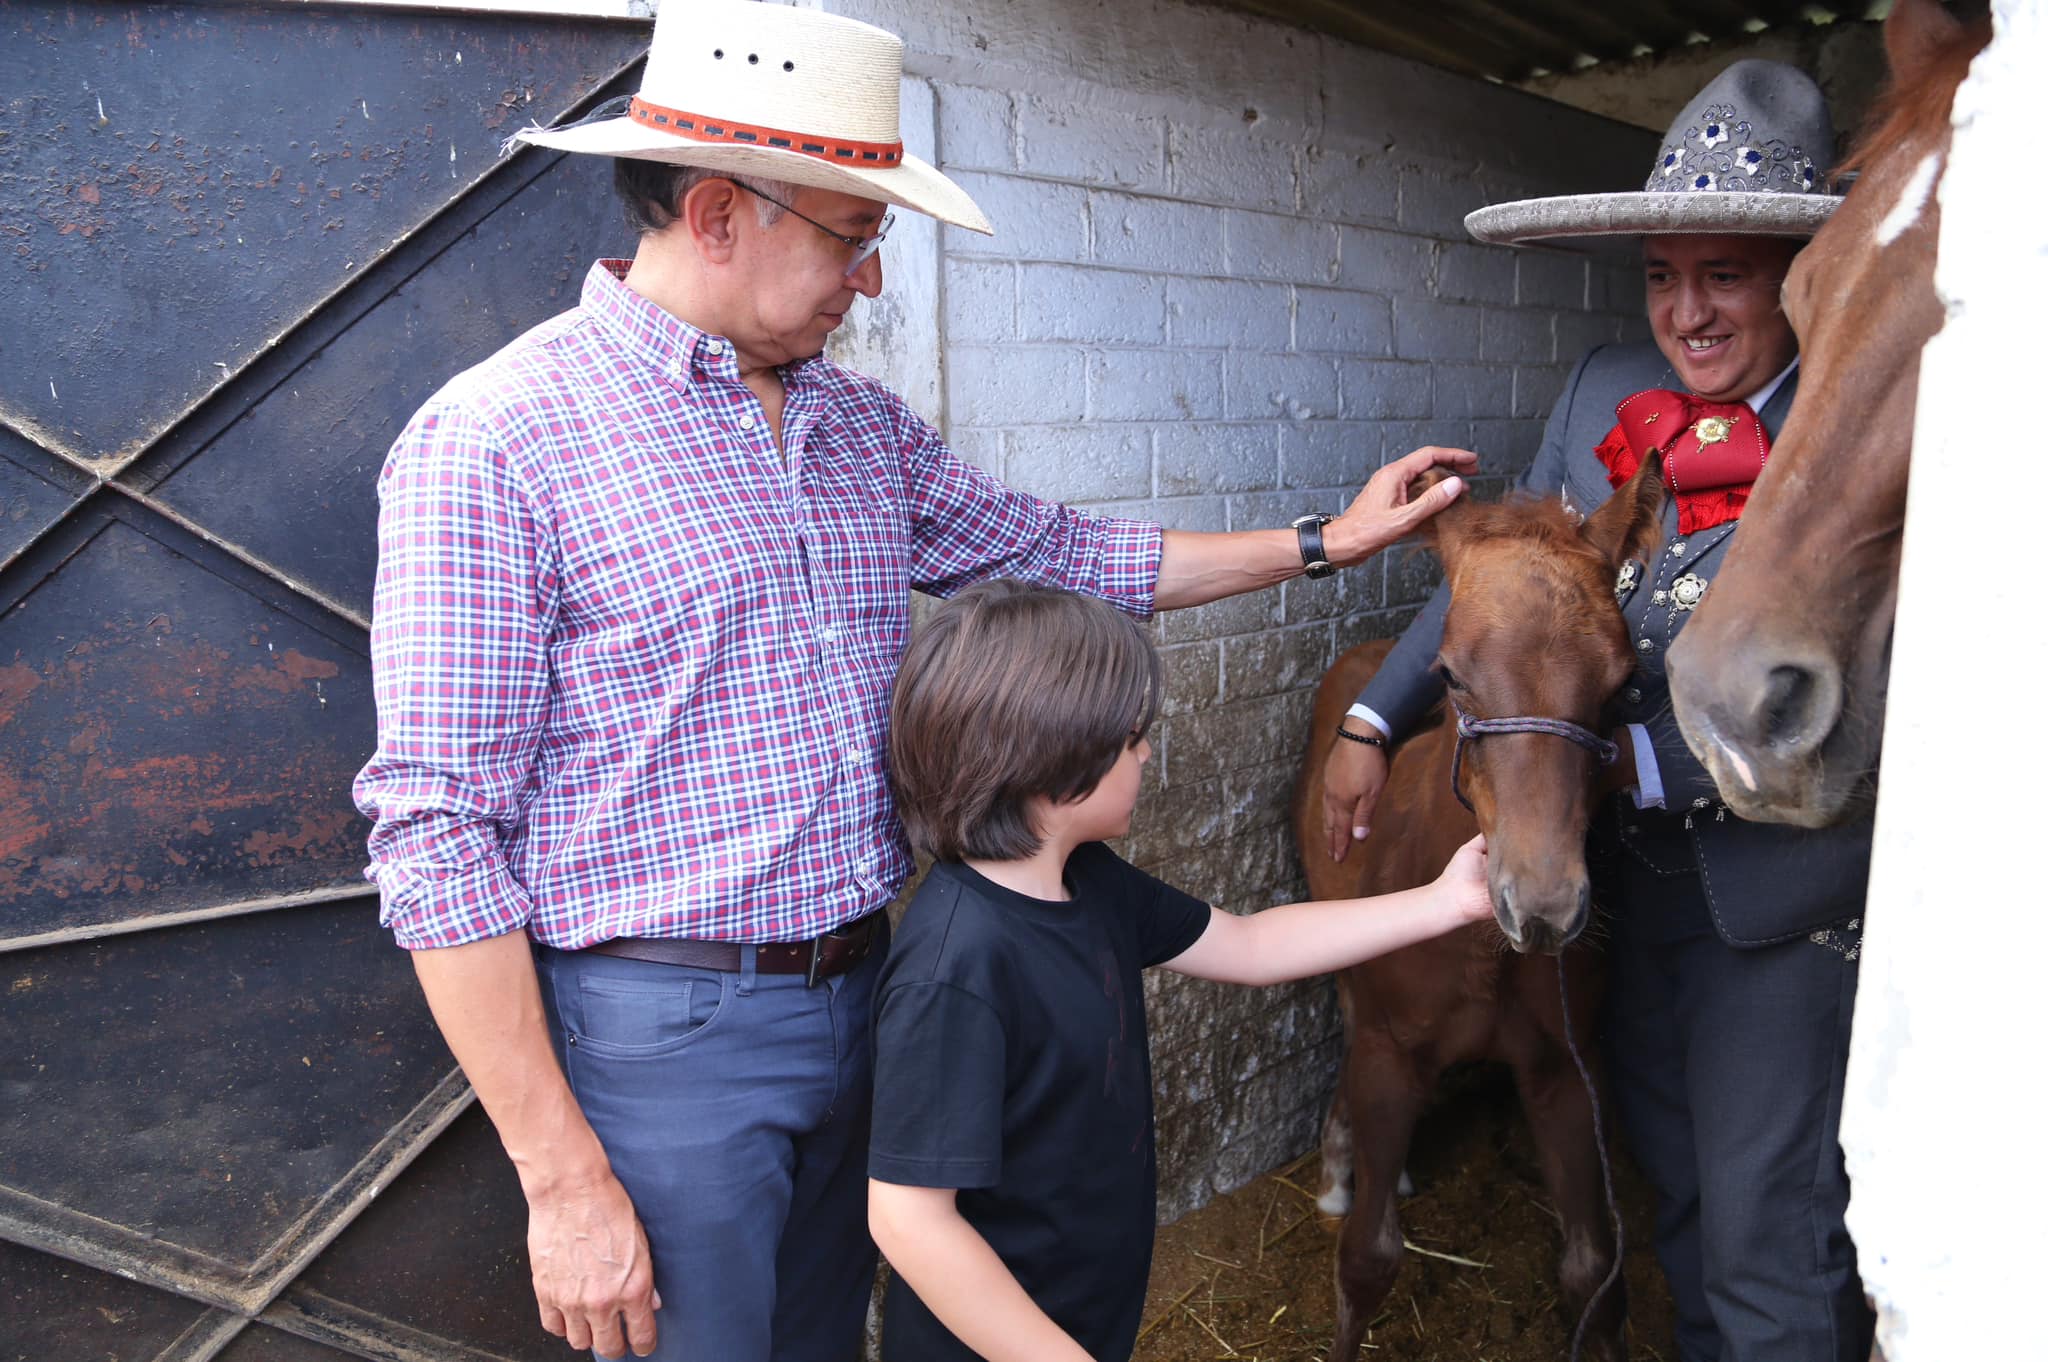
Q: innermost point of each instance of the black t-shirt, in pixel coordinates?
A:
(1010, 1063)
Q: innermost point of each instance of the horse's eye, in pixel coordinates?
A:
(1451, 682)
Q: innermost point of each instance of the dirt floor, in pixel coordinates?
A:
(1250, 1275)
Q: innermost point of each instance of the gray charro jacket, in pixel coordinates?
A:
(1765, 882)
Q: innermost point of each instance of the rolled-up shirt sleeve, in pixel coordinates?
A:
(462, 609)
(967, 527)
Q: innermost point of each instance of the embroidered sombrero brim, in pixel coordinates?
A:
(1738, 161)
(1644, 213)
(910, 183)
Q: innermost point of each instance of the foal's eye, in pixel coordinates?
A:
(1450, 681)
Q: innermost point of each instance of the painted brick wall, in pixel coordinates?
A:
(1231, 279)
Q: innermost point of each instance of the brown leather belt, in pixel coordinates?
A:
(821, 957)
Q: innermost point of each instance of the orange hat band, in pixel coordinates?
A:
(698, 128)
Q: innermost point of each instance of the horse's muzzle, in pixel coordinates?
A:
(1541, 924)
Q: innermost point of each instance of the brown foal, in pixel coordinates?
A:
(1533, 631)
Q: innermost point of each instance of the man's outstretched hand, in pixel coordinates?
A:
(1383, 512)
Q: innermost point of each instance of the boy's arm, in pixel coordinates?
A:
(959, 1277)
(1300, 939)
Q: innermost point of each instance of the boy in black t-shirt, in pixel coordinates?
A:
(1011, 1169)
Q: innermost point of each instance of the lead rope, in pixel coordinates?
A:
(1571, 1044)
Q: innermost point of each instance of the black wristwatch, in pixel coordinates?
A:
(1308, 530)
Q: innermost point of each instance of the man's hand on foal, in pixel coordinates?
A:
(1354, 773)
(591, 1268)
(1383, 513)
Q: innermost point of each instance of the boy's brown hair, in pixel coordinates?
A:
(1011, 691)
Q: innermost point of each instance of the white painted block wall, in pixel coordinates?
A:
(1943, 1114)
(1230, 278)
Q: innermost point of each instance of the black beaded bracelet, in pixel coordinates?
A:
(1369, 739)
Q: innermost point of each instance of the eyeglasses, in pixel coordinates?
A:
(863, 246)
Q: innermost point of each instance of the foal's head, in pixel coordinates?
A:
(1534, 631)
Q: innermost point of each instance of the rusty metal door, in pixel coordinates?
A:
(239, 244)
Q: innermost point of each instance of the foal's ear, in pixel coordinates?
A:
(1915, 33)
(1440, 528)
(1630, 523)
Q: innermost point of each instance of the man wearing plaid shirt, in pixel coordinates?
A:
(643, 580)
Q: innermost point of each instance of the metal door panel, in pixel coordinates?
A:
(203, 175)
(294, 478)
(53, 1309)
(202, 1106)
(35, 491)
(180, 737)
(258, 1344)
(225, 1114)
(440, 1255)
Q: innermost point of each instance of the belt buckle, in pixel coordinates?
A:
(818, 951)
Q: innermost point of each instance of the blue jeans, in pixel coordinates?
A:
(734, 1110)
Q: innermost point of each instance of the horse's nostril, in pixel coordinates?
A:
(1788, 695)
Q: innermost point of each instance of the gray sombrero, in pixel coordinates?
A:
(1745, 158)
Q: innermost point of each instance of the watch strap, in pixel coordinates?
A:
(1308, 532)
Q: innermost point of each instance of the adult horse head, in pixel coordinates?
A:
(1779, 679)
(1534, 649)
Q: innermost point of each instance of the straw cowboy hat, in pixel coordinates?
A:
(1741, 159)
(787, 94)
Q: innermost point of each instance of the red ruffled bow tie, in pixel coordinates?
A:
(1713, 451)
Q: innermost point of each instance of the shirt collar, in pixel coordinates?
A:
(1769, 390)
(660, 339)
(649, 332)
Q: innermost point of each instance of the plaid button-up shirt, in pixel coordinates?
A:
(633, 668)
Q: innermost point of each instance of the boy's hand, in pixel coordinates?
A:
(1464, 883)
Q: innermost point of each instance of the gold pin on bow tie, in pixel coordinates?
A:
(1712, 430)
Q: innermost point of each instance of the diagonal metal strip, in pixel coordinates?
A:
(348, 303)
(310, 1315)
(38, 1224)
(210, 1333)
(153, 922)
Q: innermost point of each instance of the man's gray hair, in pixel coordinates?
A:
(650, 190)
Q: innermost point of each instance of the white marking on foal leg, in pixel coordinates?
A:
(1912, 201)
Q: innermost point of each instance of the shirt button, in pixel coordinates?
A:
(716, 347)
(829, 634)
(746, 422)
(1644, 645)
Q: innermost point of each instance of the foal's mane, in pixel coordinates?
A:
(1541, 521)
(1922, 102)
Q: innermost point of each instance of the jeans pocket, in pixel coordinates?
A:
(644, 1016)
